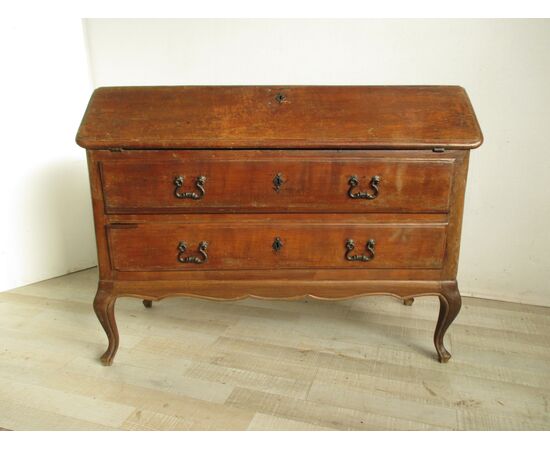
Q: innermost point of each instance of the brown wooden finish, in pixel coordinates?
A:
(450, 301)
(282, 275)
(415, 219)
(104, 307)
(248, 185)
(154, 246)
(266, 289)
(393, 117)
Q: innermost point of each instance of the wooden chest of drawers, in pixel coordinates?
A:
(278, 192)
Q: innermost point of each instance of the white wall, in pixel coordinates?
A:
(46, 224)
(504, 66)
(45, 210)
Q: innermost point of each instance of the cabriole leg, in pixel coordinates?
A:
(104, 307)
(450, 303)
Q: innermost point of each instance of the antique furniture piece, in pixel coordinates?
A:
(278, 192)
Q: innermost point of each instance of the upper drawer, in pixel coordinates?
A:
(342, 185)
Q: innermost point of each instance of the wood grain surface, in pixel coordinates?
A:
(311, 244)
(179, 211)
(245, 183)
(393, 117)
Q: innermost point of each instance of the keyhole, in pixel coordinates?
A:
(277, 244)
(280, 98)
(278, 182)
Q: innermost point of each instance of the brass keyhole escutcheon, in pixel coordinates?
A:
(277, 244)
(280, 97)
(278, 182)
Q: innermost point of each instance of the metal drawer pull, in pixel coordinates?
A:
(354, 182)
(178, 181)
(182, 247)
(350, 246)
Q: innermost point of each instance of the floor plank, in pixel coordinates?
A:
(186, 364)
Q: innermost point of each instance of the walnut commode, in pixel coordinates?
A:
(225, 192)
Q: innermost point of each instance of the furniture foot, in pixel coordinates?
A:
(148, 303)
(449, 306)
(104, 307)
(408, 301)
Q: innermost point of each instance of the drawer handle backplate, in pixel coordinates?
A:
(182, 247)
(354, 182)
(199, 183)
(350, 246)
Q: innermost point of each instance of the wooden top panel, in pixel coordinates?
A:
(383, 117)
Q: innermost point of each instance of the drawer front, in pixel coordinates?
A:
(218, 245)
(335, 185)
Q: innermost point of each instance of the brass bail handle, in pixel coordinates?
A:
(199, 184)
(374, 185)
(182, 248)
(350, 247)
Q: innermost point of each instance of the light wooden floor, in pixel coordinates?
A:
(366, 364)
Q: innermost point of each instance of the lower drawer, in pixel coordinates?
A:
(218, 245)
